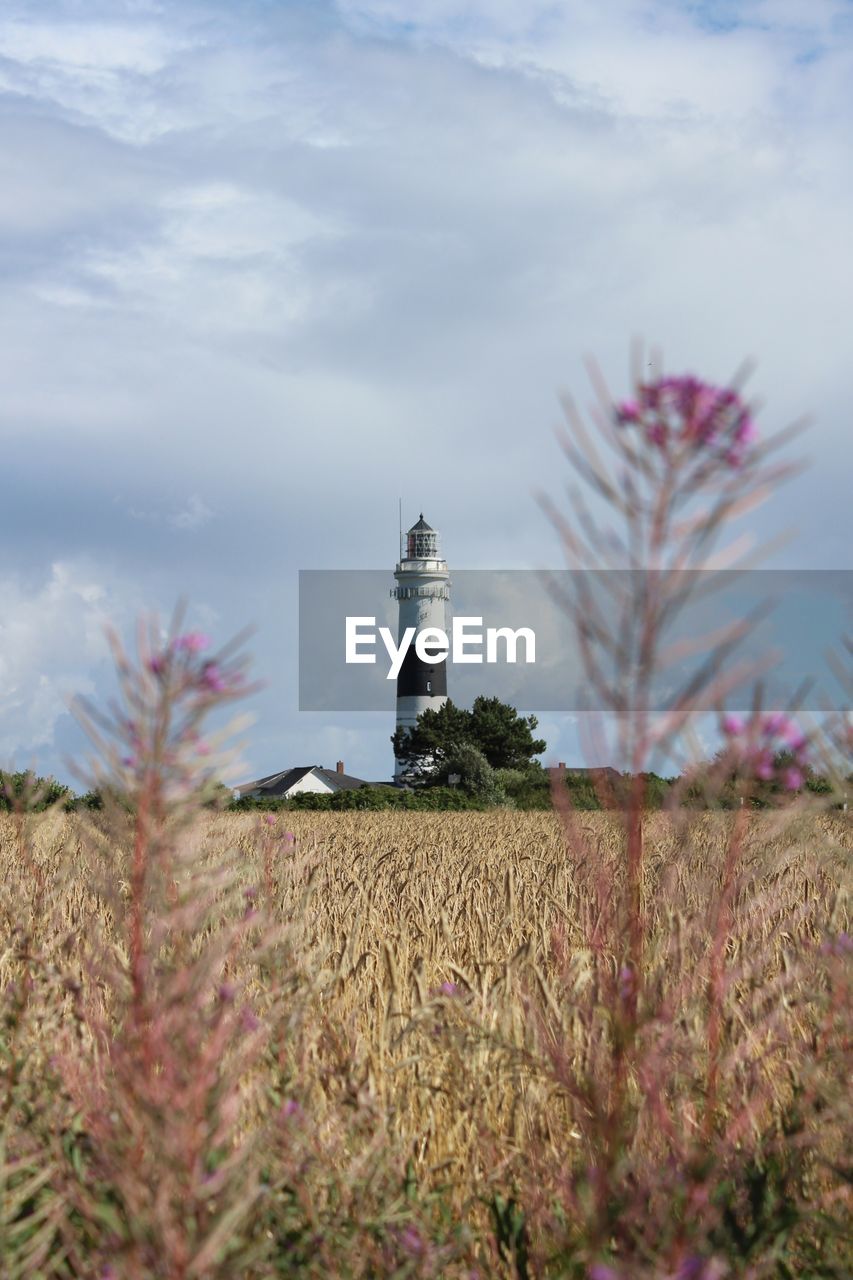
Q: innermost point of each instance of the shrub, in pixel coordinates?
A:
(476, 776)
(37, 794)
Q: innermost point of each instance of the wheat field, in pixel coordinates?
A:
(442, 975)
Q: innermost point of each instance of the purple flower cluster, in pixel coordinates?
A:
(249, 1020)
(696, 1268)
(412, 1242)
(677, 411)
(627, 983)
(840, 946)
(287, 838)
(208, 678)
(212, 678)
(692, 1267)
(758, 742)
(192, 642)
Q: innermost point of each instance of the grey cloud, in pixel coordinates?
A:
(193, 515)
(299, 263)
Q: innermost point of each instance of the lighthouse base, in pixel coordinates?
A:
(409, 707)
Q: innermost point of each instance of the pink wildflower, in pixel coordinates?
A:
(249, 1020)
(746, 432)
(628, 411)
(269, 819)
(657, 434)
(685, 409)
(778, 736)
(706, 419)
(192, 642)
(840, 946)
(448, 989)
(695, 1268)
(227, 992)
(775, 723)
(794, 737)
(411, 1241)
(212, 679)
(764, 766)
(157, 664)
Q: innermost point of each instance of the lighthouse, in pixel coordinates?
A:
(422, 591)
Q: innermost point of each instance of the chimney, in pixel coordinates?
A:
(339, 767)
(561, 765)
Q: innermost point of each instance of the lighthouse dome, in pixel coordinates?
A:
(421, 541)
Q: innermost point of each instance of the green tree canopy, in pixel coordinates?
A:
(503, 737)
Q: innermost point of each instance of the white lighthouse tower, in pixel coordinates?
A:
(423, 589)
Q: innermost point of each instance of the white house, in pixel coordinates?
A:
(308, 777)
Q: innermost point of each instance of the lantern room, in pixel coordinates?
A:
(422, 541)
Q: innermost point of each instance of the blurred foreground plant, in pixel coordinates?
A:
(701, 1153)
(173, 1126)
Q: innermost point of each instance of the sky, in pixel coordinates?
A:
(268, 267)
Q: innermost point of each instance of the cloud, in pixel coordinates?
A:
(195, 514)
(51, 640)
(191, 516)
(289, 262)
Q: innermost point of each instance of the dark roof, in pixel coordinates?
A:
(278, 784)
(422, 526)
(343, 781)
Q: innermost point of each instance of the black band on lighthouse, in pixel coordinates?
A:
(421, 679)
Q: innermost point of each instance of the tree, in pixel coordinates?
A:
(503, 737)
